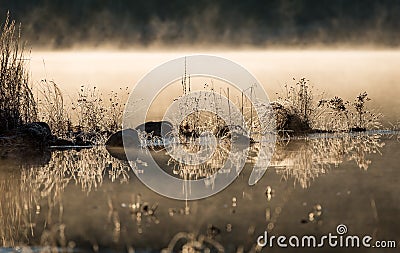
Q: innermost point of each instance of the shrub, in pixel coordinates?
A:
(344, 115)
(301, 111)
(98, 115)
(89, 108)
(336, 116)
(364, 118)
(298, 110)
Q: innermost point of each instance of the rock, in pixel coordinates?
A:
(118, 152)
(61, 142)
(27, 144)
(115, 144)
(358, 129)
(77, 142)
(155, 127)
(36, 133)
(80, 142)
(131, 139)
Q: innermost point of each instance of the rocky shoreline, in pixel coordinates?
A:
(38, 135)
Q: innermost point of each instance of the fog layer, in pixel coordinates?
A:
(205, 23)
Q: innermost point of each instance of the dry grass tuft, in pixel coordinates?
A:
(17, 104)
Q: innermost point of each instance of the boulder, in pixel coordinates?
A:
(115, 144)
(79, 141)
(36, 133)
(156, 127)
(131, 139)
(27, 144)
(61, 142)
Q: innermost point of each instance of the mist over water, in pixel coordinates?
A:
(337, 73)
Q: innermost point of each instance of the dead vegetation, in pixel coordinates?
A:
(17, 104)
(300, 109)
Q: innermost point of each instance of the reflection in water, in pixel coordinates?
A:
(32, 199)
(305, 160)
(25, 191)
(197, 169)
(218, 163)
(87, 168)
(189, 242)
(141, 210)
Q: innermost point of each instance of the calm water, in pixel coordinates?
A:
(89, 201)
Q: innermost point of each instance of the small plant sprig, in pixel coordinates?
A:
(359, 106)
(115, 110)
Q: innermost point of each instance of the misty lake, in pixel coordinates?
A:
(88, 200)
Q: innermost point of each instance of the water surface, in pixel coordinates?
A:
(89, 201)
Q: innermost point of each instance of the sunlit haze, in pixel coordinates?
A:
(336, 72)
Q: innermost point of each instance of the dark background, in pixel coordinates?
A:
(65, 23)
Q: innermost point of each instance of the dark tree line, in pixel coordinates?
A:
(62, 23)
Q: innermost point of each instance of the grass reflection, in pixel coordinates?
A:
(32, 197)
(306, 159)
